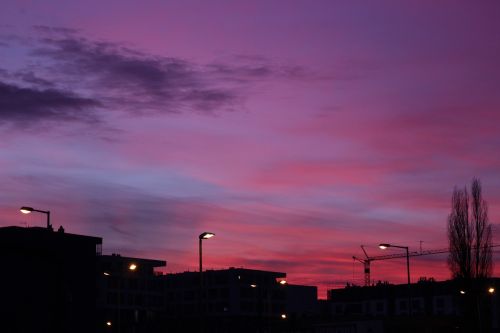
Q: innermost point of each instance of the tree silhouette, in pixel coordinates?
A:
(469, 234)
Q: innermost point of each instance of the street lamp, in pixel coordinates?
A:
(384, 246)
(205, 235)
(27, 210)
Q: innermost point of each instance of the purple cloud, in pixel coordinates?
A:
(114, 77)
(17, 104)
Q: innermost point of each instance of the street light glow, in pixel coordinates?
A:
(132, 267)
(283, 316)
(108, 323)
(283, 282)
(207, 235)
(384, 246)
(253, 285)
(26, 210)
(491, 290)
(462, 292)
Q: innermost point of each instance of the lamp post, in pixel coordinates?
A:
(204, 235)
(384, 246)
(28, 210)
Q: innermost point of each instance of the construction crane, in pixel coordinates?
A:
(366, 265)
(367, 261)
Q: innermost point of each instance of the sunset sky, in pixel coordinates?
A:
(294, 130)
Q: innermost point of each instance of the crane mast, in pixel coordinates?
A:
(366, 265)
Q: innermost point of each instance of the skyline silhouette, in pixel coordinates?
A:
(62, 282)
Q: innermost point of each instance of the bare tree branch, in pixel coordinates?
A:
(469, 234)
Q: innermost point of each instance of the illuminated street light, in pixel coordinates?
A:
(132, 267)
(28, 210)
(283, 316)
(253, 286)
(462, 292)
(108, 323)
(283, 282)
(201, 237)
(384, 246)
(491, 290)
(205, 235)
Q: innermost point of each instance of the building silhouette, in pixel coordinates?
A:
(235, 300)
(437, 306)
(130, 295)
(53, 281)
(227, 298)
(47, 280)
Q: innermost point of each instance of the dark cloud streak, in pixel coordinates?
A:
(31, 78)
(17, 104)
(130, 78)
(56, 30)
(72, 76)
